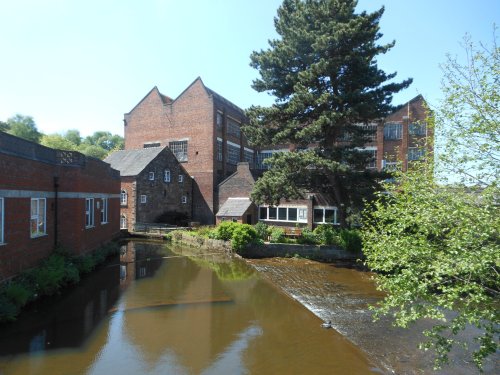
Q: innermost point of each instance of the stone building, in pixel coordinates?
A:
(155, 187)
(52, 198)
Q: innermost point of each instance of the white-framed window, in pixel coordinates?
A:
(38, 216)
(166, 175)
(143, 198)
(1, 220)
(371, 132)
(415, 153)
(418, 129)
(283, 213)
(233, 128)
(123, 198)
(151, 176)
(184, 199)
(219, 121)
(325, 215)
(372, 161)
(179, 149)
(123, 222)
(104, 211)
(248, 156)
(390, 165)
(181, 177)
(393, 131)
(89, 212)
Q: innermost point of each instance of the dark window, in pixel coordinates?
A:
(393, 131)
(417, 129)
(282, 213)
(292, 214)
(329, 216)
(263, 213)
(318, 215)
(272, 213)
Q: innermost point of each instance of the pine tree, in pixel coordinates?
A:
(323, 74)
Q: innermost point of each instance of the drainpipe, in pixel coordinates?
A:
(56, 186)
(192, 198)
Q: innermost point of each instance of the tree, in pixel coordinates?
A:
(58, 141)
(4, 127)
(73, 136)
(23, 127)
(437, 248)
(105, 140)
(324, 76)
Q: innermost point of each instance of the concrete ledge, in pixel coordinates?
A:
(206, 243)
(315, 252)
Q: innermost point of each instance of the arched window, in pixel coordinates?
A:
(123, 222)
(123, 198)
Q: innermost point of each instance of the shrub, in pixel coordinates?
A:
(85, 263)
(277, 235)
(307, 237)
(17, 293)
(243, 235)
(327, 235)
(225, 230)
(351, 240)
(262, 230)
(8, 310)
(204, 231)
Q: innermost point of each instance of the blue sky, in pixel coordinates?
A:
(83, 64)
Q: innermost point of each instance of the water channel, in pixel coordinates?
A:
(164, 310)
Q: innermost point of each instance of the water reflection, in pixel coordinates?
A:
(155, 312)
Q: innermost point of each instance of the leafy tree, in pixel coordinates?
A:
(323, 74)
(73, 136)
(58, 141)
(105, 140)
(437, 248)
(93, 151)
(23, 127)
(4, 127)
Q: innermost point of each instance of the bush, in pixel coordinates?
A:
(204, 231)
(327, 235)
(8, 310)
(243, 235)
(18, 293)
(351, 240)
(225, 230)
(277, 235)
(262, 230)
(308, 237)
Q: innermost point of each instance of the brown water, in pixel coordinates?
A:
(155, 312)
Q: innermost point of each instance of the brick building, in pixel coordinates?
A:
(51, 197)
(203, 131)
(155, 188)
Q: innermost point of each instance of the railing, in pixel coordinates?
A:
(153, 228)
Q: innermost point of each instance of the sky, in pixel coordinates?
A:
(82, 64)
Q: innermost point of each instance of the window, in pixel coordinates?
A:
(272, 213)
(181, 178)
(151, 144)
(389, 165)
(371, 132)
(89, 212)
(123, 198)
(123, 222)
(393, 131)
(104, 211)
(372, 161)
(151, 176)
(248, 156)
(1, 220)
(325, 215)
(219, 121)
(219, 149)
(37, 223)
(415, 153)
(418, 129)
(294, 214)
(184, 199)
(179, 149)
(143, 198)
(262, 213)
(302, 213)
(282, 213)
(233, 153)
(166, 175)
(261, 156)
(233, 128)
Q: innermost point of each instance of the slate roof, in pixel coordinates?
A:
(133, 162)
(234, 207)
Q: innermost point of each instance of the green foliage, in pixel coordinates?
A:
(23, 127)
(308, 237)
(8, 309)
(350, 240)
(58, 142)
(327, 235)
(322, 71)
(18, 293)
(4, 127)
(242, 236)
(225, 230)
(262, 230)
(437, 250)
(277, 235)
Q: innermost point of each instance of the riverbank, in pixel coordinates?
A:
(342, 295)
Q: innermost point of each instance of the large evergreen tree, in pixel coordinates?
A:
(323, 74)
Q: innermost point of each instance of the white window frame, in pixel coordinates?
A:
(151, 176)
(179, 149)
(415, 153)
(184, 199)
(324, 208)
(144, 198)
(104, 211)
(181, 178)
(123, 222)
(1, 220)
(36, 217)
(393, 131)
(301, 214)
(123, 197)
(89, 212)
(166, 175)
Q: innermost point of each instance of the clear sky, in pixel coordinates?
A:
(82, 64)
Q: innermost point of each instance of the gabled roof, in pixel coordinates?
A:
(133, 162)
(235, 207)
